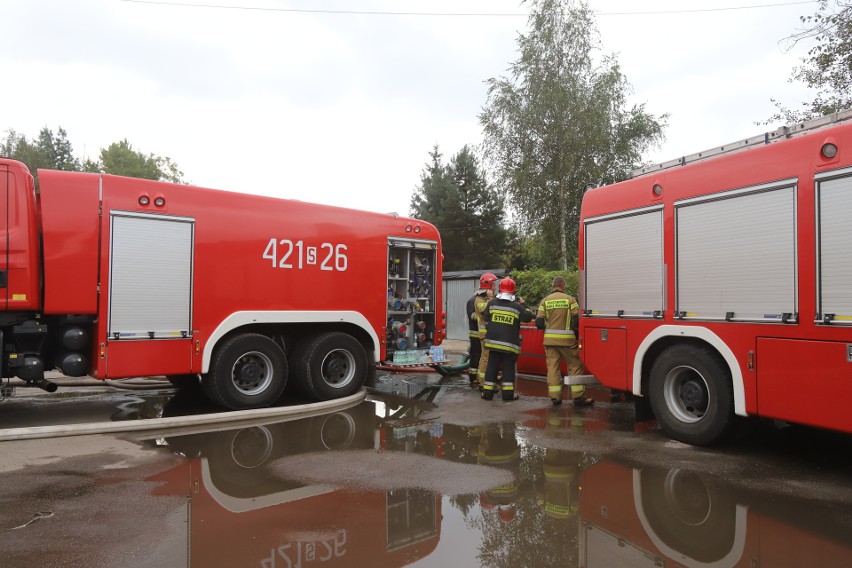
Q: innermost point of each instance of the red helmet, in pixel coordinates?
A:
(506, 514)
(507, 286)
(487, 280)
(485, 502)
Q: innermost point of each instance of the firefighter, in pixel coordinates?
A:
(503, 316)
(498, 447)
(559, 495)
(559, 316)
(487, 283)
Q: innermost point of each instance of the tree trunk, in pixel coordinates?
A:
(563, 237)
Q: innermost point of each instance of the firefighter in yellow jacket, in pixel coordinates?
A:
(559, 316)
(559, 495)
(487, 285)
(475, 306)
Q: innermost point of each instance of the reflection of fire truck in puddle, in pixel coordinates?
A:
(239, 513)
(649, 517)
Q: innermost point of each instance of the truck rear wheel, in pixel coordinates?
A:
(691, 394)
(247, 371)
(330, 365)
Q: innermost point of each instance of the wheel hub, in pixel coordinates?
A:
(693, 395)
(249, 374)
(686, 394)
(338, 368)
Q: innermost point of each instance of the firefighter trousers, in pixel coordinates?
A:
(483, 363)
(555, 354)
(508, 361)
(475, 355)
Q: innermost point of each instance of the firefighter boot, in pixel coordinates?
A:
(508, 391)
(578, 394)
(487, 391)
(555, 392)
(472, 375)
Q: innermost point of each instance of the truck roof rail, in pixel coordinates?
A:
(781, 133)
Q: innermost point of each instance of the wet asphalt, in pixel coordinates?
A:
(423, 472)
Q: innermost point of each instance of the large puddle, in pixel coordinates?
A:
(424, 473)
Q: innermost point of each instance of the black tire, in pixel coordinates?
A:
(329, 365)
(691, 394)
(238, 460)
(690, 514)
(185, 382)
(337, 431)
(247, 371)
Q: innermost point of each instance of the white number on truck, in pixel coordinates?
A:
(285, 253)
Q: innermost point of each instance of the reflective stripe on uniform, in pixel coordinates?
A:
(505, 309)
(552, 475)
(559, 333)
(557, 303)
(502, 346)
(503, 316)
(559, 510)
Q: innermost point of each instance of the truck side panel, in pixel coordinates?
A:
(307, 264)
(19, 265)
(135, 358)
(785, 365)
(69, 210)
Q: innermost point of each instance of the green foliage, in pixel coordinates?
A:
(120, 158)
(560, 121)
(54, 152)
(48, 151)
(533, 247)
(533, 285)
(456, 198)
(827, 68)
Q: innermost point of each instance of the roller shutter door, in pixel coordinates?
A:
(624, 270)
(736, 255)
(150, 277)
(834, 242)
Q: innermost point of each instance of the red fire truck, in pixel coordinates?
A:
(719, 285)
(117, 277)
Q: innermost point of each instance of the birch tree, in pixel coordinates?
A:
(561, 120)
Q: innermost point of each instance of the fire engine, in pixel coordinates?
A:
(718, 285)
(116, 277)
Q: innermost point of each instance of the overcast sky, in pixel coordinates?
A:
(273, 97)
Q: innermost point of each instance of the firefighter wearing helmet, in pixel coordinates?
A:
(558, 493)
(478, 303)
(499, 448)
(503, 317)
(558, 315)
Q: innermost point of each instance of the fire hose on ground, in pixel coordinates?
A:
(235, 417)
